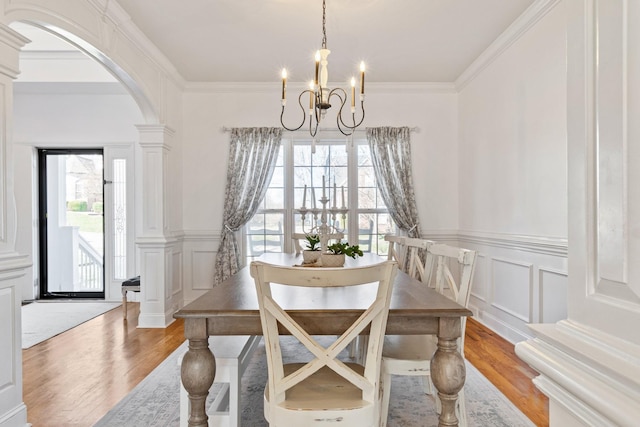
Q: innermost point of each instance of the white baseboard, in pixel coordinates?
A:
(503, 329)
(16, 417)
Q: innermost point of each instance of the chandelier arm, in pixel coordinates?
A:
(304, 114)
(339, 121)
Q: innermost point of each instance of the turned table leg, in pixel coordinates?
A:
(448, 370)
(198, 370)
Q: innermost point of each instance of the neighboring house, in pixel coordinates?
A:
(84, 181)
(529, 156)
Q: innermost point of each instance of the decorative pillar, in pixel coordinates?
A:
(155, 245)
(589, 364)
(13, 266)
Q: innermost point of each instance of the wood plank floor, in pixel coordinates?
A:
(74, 378)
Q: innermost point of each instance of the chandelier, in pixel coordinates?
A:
(320, 95)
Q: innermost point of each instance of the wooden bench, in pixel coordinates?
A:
(233, 354)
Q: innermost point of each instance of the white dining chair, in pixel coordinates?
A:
(323, 390)
(411, 354)
(397, 249)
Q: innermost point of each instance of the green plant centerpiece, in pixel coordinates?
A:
(312, 253)
(336, 253)
(312, 242)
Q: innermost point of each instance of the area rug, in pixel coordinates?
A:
(155, 401)
(43, 320)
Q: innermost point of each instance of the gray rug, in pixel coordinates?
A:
(43, 320)
(155, 401)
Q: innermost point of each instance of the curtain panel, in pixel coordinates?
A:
(252, 157)
(391, 157)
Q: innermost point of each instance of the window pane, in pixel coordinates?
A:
(301, 155)
(339, 156)
(366, 177)
(274, 199)
(321, 157)
(301, 176)
(385, 224)
(264, 234)
(366, 223)
(280, 160)
(277, 180)
(364, 155)
(119, 219)
(366, 198)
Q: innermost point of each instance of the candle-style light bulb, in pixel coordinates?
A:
(311, 93)
(353, 91)
(284, 83)
(362, 78)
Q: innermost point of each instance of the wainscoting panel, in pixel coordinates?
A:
(202, 269)
(518, 280)
(7, 328)
(512, 287)
(553, 295)
(176, 272)
(200, 249)
(479, 289)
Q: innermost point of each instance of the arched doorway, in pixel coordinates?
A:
(65, 101)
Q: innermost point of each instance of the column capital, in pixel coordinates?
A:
(155, 136)
(10, 44)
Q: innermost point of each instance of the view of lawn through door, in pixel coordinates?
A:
(71, 223)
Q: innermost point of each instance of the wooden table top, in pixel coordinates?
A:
(231, 308)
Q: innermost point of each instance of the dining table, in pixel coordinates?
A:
(231, 308)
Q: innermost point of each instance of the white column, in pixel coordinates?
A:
(589, 364)
(154, 241)
(12, 265)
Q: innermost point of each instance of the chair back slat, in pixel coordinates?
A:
(410, 253)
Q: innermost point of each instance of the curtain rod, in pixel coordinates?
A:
(415, 129)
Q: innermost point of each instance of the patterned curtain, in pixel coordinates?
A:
(252, 157)
(391, 157)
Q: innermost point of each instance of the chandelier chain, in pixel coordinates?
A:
(324, 22)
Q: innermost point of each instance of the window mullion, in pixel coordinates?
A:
(289, 198)
(352, 195)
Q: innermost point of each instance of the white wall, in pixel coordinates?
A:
(513, 178)
(430, 108)
(62, 116)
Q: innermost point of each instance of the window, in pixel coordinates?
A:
(344, 167)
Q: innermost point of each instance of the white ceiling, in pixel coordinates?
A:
(251, 40)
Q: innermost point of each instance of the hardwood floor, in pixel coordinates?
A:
(496, 359)
(74, 378)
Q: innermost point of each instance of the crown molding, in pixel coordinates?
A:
(69, 88)
(519, 27)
